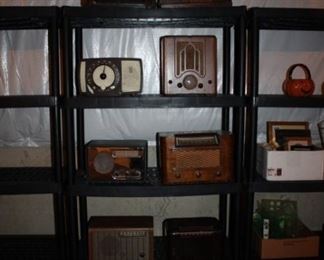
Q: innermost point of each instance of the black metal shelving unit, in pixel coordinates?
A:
(273, 19)
(36, 180)
(232, 103)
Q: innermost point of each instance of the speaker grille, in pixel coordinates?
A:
(198, 159)
(190, 56)
(120, 245)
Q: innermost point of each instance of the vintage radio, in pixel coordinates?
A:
(122, 238)
(188, 65)
(119, 161)
(110, 76)
(126, 3)
(202, 157)
(193, 238)
(194, 3)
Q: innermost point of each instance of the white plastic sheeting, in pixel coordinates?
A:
(24, 70)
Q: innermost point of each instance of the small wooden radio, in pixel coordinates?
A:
(122, 237)
(193, 238)
(201, 157)
(188, 65)
(116, 161)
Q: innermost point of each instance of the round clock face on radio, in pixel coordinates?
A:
(103, 75)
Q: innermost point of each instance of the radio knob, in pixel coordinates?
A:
(190, 82)
(177, 174)
(198, 173)
(218, 173)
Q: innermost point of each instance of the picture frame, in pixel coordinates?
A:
(290, 142)
(272, 126)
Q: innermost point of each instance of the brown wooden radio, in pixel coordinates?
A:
(120, 237)
(201, 157)
(116, 161)
(188, 65)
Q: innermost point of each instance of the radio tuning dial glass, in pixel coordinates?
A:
(103, 163)
(103, 75)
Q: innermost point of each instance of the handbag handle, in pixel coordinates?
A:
(303, 66)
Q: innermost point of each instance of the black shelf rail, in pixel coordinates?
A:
(39, 180)
(29, 247)
(261, 185)
(296, 19)
(155, 101)
(152, 187)
(27, 18)
(315, 101)
(85, 189)
(273, 19)
(75, 19)
(24, 101)
(100, 17)
(31, 180)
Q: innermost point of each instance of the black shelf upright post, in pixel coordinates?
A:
(80, 148)
(238, 199)
(71, 201)
(251, 130)
(55, 126)
(38, 180)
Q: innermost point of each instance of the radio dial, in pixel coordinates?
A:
(103, 76)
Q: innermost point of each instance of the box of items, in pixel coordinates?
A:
(279, 234)
(275, 165)
(300, 247)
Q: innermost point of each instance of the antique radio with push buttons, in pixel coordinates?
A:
(110, 76)
(188, 65)
(120, 237)
(116, 161)
(195, 157)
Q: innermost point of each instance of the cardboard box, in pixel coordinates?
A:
(287, 248)
(290, 165)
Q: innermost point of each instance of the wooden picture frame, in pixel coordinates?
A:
(293, 141)
(272, 126)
